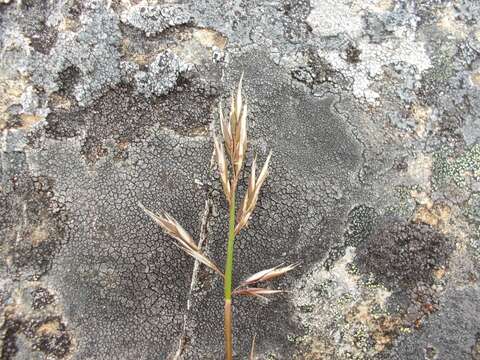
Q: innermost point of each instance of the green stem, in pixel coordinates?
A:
(228, 282)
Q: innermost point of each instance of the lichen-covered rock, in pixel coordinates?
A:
(400, 254)
(161, 75)
(371, 109)
(154, 19)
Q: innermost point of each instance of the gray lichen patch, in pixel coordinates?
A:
(154, 19)
(92, 49)
(137, 277)
(364, 62)
(338, 304)
(161, 75)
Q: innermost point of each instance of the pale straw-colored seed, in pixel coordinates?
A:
(233, 117)
(269, 274)
(251, 179)
(236, 108)
(184, 240)
(171, 227)
(263, 173)
(239, 95)
(258, 292)
(252, 350)
(241, 141)
(222, 167)
(251, 197)
(198, 255)
(226, 132)
(238, 131)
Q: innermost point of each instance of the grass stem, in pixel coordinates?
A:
(228, 281)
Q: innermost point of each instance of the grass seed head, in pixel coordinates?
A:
(234, 133)
(257, 292)
(222, 168)
(226, 132)
(269, 274)
(250, 200)
(184, 240)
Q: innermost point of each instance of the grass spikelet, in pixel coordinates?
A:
(251, 197)
(269, 274)
(257, 292)
(222, 168)
(184, 240)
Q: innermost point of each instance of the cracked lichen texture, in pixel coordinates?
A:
(372, 111)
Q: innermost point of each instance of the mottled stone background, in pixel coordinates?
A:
(371, 108)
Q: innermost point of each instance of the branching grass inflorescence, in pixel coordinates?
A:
(230, 151)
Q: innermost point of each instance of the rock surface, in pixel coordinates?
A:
(372, 111)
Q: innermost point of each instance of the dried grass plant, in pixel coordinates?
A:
(230, 151)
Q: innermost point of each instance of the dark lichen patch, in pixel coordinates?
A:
(124, 115)
(48, 335)
(68, 79)
(361, 221)
(44, 39)
(353, 54)
(52, 337)
(93, 149)
(293, 14)
(10, 328)
(401, 254)
(315, 71)
(129, 281)
(29, 244)
(41, 298)
(31, 17)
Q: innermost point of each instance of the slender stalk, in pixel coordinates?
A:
(228, 330)
(228, 281)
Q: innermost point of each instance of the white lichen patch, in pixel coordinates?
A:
(161, 75)
(345, 18)
(400, 49)
(333, 17)
(337, 307)
(17, 96)
(451, 25)
(153, 19)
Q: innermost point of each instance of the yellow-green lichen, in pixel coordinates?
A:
(455, 168)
